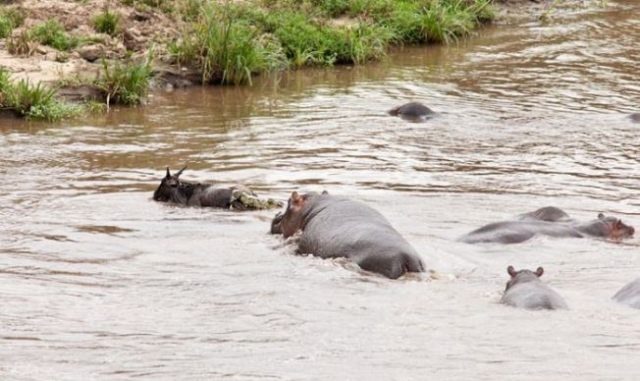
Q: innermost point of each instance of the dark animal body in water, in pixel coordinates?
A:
(551, 222)
(175, 191)
(547, 213)
(334, 227)
(635, 117)
(412, 111)
(525, 290)
(629, 294)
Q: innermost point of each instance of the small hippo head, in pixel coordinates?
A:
(288, 223)
(522, 276)
(169, 187)
(612, 227)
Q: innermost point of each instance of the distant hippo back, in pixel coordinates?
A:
(629, 294)
(508, 232)
(548, 214)
(414, 111)
(525, 290)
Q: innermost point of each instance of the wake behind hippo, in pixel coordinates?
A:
(518, 231)
(629, 294)
(525, 290)
(237, 196)
(334, 227)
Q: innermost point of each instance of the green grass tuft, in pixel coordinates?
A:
(107, 22)
(34, 102)
(226, 46)
(126, 84)
(9, 20)
(52, 34)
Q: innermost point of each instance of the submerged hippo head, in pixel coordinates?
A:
(169, 187)
(411, 111)
(522, 276)
(608, 227)
(288, 223)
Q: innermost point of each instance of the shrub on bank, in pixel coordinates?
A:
(125, 84)
(33, 101)
(9, 20)
(227, 49)
(107, 22)
(52, 34)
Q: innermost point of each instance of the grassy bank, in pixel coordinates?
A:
(226, 42)
(231, 42)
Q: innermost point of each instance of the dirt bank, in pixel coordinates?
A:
(140, 28)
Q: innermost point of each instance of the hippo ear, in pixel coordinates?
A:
(539, 272)
(180, 172)
(295, 197)
(511, 271)
(325, 192)
(168, 173)
(600, 216)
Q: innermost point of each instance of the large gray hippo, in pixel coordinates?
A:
(334, 227)
(412, 111)
(629, 294)
(522, 230)
(525, 290)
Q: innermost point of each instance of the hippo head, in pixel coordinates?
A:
(614, 228)
(292, 220)
(169, 187)
(522, 276)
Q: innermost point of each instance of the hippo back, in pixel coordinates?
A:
(629, 294)
(547, 213)
(518, 231)
(533, 295)
(335, 227)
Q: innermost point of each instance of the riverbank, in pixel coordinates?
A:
(107, 52)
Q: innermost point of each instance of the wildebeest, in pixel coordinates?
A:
(237, 196)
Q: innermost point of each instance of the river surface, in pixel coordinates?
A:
(99, 282)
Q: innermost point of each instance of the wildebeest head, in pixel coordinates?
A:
(169, 189)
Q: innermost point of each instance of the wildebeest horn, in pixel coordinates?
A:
(180, 171)
(168, 173)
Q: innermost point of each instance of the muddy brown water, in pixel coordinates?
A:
(98, 282)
